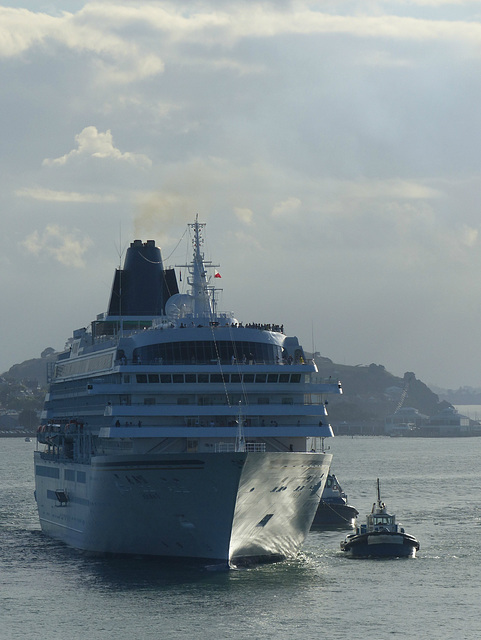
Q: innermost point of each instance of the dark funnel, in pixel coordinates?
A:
(142, 287)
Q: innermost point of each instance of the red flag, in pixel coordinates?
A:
(217, 274)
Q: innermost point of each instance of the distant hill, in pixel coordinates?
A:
(32, 370)
(370, 393)
(22, 392)
(463, 395)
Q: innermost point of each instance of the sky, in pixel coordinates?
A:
(332, 148)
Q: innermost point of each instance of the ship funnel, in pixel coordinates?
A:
(142, 287)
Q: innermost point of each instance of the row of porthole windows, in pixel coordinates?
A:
(233, 378)
(207, 401)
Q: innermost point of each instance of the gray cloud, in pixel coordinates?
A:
(62, 245)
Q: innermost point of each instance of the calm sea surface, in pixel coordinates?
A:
(48, 591)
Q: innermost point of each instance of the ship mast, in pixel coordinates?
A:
(202, 293)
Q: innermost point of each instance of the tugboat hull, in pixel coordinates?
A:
(333, 510)
(334, 515)
(380, 545)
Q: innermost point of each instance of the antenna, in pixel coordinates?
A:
(120, 253)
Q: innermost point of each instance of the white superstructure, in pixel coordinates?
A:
(171, 429)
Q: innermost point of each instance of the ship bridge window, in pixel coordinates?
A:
(205, 378)
(208, 351)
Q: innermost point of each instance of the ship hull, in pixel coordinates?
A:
(228, 507)
(381, 545)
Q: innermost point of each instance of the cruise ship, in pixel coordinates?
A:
(172, 429)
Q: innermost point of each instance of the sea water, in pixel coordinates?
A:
(434, 486)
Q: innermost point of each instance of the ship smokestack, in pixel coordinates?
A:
(142, 287)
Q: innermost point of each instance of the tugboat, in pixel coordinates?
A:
(380, 537)
(333, 510)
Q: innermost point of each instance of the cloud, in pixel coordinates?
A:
(249, 243)
(244, 215)
(384, 58)
(390, 188)
(103, 30)
(289, 207)
(468, 235)
(94, 144)
(214, 25)
(117, 59)
(50, 195)
(58, 243)
(21, 29)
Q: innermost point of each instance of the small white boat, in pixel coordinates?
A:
(380, 537)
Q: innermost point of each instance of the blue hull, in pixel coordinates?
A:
(380, 545)
(334, 515)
